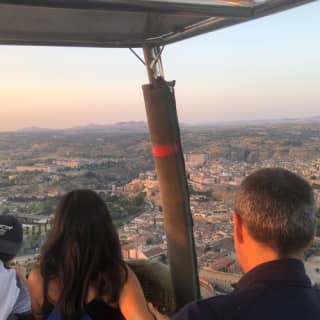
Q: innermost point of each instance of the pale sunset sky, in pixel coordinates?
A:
(265, 69)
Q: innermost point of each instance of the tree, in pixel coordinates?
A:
(5, 210)
(149, 241)
(33, 230)
(318, 223)
(27, 230)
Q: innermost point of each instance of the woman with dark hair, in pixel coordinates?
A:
(81, 266)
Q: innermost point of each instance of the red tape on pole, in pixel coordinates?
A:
(165, 150)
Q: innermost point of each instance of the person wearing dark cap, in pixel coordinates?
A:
(274, 223)
(14, 297)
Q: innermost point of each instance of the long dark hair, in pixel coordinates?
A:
(82, 251)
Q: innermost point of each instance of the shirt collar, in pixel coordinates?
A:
(284, 272)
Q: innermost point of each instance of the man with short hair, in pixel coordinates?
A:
(274, 222)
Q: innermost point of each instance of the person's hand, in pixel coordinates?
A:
(21, 272)
(156, 314)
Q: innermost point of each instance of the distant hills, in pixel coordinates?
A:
(314, 119)
(35, 130)
(130, 126)
(141, 126)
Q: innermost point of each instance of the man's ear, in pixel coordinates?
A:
(311, 241)
(238, 228)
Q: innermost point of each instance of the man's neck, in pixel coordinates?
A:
(265, 255)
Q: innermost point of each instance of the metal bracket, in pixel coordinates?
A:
(157, 59)
(153, 62)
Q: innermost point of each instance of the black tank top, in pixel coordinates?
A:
(97, 309)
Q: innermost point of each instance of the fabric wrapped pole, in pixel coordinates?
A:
(165, 138)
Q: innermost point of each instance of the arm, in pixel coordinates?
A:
(23, 304)
(132, 302)
(156, 314)
(35, 285)
(21, 273)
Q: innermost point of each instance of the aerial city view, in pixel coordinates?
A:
(38, 166)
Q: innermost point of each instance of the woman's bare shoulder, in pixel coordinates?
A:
(35, 277)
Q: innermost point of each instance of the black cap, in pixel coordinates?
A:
(11, 235)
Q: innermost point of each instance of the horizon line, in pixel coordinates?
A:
(181, 123)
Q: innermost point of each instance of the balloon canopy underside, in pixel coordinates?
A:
(126, 24)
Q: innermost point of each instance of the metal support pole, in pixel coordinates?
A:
(166, 144)
(153, 62)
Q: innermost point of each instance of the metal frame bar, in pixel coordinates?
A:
(166, 7)
(217, 23)
(137, 56)
(206, 23)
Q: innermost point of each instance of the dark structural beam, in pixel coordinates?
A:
(166, 145)
(124, 23)
(219, 22)
(164, 7)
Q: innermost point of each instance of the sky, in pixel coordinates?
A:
(264, 69)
